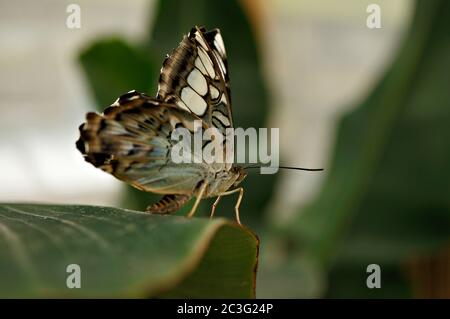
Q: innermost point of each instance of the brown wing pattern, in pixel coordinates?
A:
(132, 141)
(195, 78)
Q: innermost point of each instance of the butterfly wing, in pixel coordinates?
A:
(132, 141)
(195, 78)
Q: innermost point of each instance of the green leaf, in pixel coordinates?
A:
(122, 253)
(113, 67)
(287, 273)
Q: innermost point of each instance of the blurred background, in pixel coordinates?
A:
(371, 106)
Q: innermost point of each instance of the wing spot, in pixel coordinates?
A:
(214, 92)
(199, 65)
(207, 63)
(218, 42)
(200, 40)
(222, 118)
(220, 62)
(194, 101)
(198, 82)
(181, 104)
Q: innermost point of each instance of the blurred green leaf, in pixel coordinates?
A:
(390, 171)
(286, 273)
(122, 253)
(386, 195)
(113, 67)
(349, 280)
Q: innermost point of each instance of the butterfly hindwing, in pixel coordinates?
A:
(195, 77)
(132, 141)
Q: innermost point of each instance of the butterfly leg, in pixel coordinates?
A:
(197, 200)
(238, 203)
(213, 209)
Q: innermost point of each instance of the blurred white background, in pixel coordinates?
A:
(320, 61)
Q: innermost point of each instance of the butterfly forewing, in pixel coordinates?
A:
(195, 77)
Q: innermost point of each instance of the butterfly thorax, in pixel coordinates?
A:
(223, 181)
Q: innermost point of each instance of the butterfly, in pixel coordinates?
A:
(131, 139)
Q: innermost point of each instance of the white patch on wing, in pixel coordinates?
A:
(116, 102)
(206, 62)
(225, 121)
(199, 65)
(182, 105)
(200, 40)
(220, 61)
(198, 82)
(134, 97)
(218, 42)
(214, 92)
(194, 101)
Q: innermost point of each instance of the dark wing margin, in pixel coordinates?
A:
(195, 77)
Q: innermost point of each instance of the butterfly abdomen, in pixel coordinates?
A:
(168, 204)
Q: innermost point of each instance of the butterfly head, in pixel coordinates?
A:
(240, 173)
